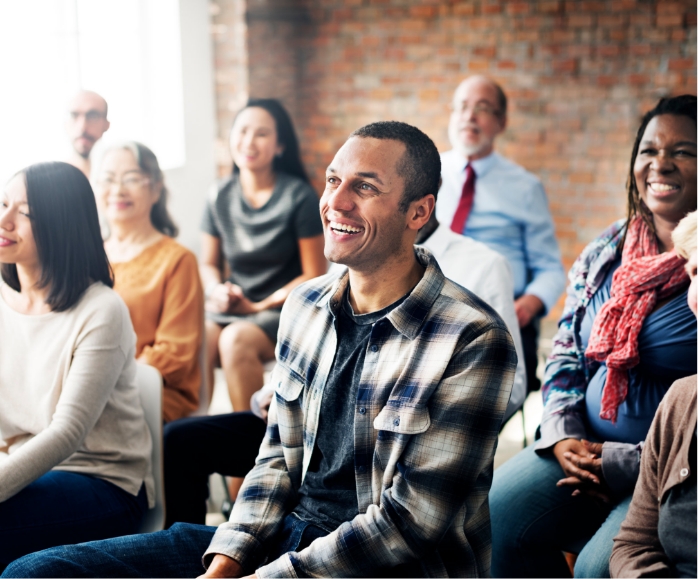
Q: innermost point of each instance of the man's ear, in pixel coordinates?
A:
(420, 211)
(502, 123)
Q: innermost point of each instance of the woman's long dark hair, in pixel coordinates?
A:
(148, 164)
(66, 231)
(684, 106)
(290, 159)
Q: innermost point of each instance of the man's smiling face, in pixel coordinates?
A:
(360, 206)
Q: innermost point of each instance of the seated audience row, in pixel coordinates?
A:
(386, 348)
(407, 351)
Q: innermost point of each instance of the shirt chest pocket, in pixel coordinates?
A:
(289, 385)
(395, 426)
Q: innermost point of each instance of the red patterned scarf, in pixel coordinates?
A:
(644, 277)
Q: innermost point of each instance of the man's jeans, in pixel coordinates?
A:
(176, 552)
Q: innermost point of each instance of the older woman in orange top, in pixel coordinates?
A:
(156, 276)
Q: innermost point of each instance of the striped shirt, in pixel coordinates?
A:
(435, 384)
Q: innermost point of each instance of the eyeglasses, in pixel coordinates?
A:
(91, 117)
(129, 183)
(478, 109)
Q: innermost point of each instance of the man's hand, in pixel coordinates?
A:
(527, 307)
(581, 462)
(223, 566)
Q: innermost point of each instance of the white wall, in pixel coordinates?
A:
(188, 184)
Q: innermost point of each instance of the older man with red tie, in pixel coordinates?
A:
(491, 199)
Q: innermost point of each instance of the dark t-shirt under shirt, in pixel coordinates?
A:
(328, 493)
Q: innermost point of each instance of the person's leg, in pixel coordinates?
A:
(62, 508)
(533, 520)
(529, 342)
(213, 334)
(244, 348)
(197, 447)
(594, 557)
(176, 552)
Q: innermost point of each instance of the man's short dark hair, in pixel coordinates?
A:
(420, 166)
(66, 230)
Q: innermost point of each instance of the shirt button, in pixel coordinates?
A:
(396, 422)
(684, 472)
(362, 410)
(374, 348)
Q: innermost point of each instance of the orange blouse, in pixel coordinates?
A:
(162, 290)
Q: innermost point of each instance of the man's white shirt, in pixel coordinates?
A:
(487, 274)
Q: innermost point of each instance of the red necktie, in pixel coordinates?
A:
(466, 201)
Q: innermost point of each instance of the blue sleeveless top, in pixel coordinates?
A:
(667, 346)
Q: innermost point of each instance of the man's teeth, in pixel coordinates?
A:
(662, 186)
(344, 227)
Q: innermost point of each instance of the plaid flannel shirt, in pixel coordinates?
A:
(435, 384)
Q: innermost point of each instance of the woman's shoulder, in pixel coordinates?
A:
(295, 185)
(607, 243)
(169, 249)
(99, 299)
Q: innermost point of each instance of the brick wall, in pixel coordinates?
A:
(579, 75)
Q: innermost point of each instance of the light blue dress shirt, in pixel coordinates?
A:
(510, 214)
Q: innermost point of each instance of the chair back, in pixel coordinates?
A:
(204, 389)
(149, 384)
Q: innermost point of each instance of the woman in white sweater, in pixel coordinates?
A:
(74, 445)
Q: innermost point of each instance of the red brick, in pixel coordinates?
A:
(423, 11)
(478, 65)
(669, 19)
(664, 7)
(682, 64)
(514, 8)
(547, 7)
(639, 79)
(506, 65)
(580, 20)
(486, 51)
(640, 49)
(491, 8)
(464, 10)
(563, 66)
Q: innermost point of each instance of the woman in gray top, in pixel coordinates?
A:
(262, 224)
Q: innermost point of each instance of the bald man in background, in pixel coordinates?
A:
(85, 125)
(489, 198)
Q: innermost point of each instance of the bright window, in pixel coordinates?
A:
(126, 50)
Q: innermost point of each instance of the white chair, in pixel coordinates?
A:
(149, 384)
(205, 390)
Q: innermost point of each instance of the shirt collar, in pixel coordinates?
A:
(409, 316)
(438, 241)
(481, 166)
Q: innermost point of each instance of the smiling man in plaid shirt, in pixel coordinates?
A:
(390, 386)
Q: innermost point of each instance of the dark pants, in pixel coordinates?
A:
(529, 340)
(176, 552)
(197, 447)
(62, 508)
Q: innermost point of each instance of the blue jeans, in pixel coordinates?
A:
(533, 521)
(61, 508)
(175, 552)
